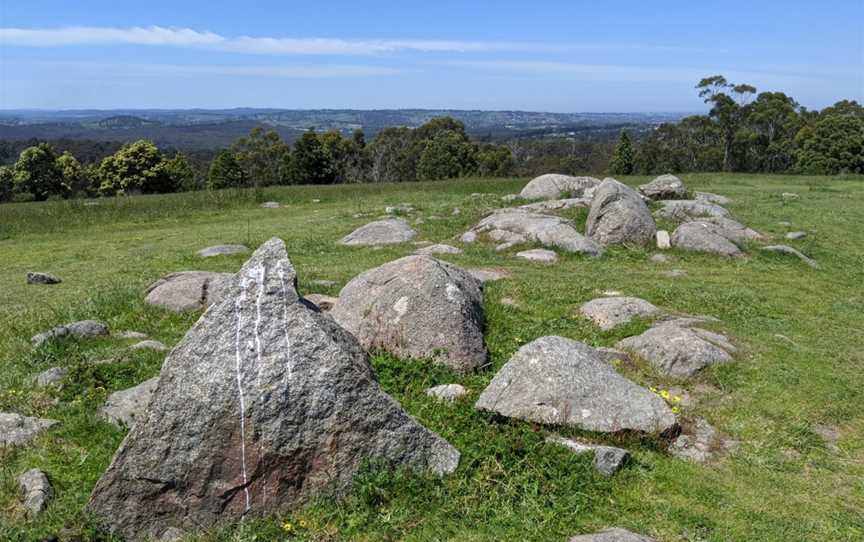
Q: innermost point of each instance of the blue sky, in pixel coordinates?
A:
(567, 55)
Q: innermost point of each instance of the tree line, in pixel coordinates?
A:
(439, 149)
(744, 131)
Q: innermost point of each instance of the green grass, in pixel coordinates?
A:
(801, 362)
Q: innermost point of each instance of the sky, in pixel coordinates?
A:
(541, 55)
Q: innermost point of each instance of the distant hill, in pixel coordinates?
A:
(211, 128)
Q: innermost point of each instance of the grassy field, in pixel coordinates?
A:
(800, 363)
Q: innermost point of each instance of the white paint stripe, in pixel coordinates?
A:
(238, 358)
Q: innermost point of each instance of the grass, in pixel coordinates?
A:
(798, 330)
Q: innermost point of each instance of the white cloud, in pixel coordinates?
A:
(186, 37)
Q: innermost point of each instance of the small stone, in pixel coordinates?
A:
(16, 429)
(35, 277)
(612, 535)
(84, 329)
(660, 258)
(323, 302)
(150, 344)
(796, 235)
(222, 250)
(699, 442)
(52, 376)
(663, 240)
(783, 249)
(504, 246)
(270, 205)
(316, 200)
(130, 335)
(607, 459)
(36, 490)
(447, 392)
(402, 208)
(468, 237)
(789, 195)
(538, 255)
(438, 249)
(127, 406)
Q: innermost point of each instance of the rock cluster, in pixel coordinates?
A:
(515, 226)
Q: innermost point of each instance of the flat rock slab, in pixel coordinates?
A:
(558, 381)
(54, 375)
(712, 198)
(612, 535)
(322, 301)
(129, 335)
(541, 255)
(705, 237)
(16, 429)
(520, 226)
(664, 187)
(150, 344)
(417, 307)
(35, 490)
(619, 216)
(607, 459)
(447, 392)
(796, 235)
(689, 209)
(490, 274)
(83, 329)
(678, 351)
(36, 277)
(700, 442)
(389, 231)
(438, 249)
(264, 405)
(222, 250)
(187, 290)
(783, 249)
(127, 406)
(557, 204)
(611, 312)
(553, 186)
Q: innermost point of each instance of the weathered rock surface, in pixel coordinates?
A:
(446, 392)
(35, 277)
(700, 442)
(16, 429)
(678, 351)
(733, 230)
(612, 535)
(554, 186)
(127, 406)
(418, 307)
(389, 231)
(264, 405)
(52, 376)
(323, 302)
(221, 250)
(712, 198)
(689, 210)
(607, 459)
(783, 249)
(796, 235)
(664, 187)
(541, 255)
(558, 381)
(187, 290)
(556, 204)
(35, 490)
(84, 329)
(438, 249)
(489, 274)
(664, 242)
(618, 216)
(611, 312)
(150, 344)
(520, 226)
(704, 237)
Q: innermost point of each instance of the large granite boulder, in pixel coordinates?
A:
(679, 351)
(618, 216)
(265, 404)
(520, 226)
(687, 209)
(611, 312)
(664, 187)
(16, 429)
(83, 329)
(706, 237)
(127, 406)
(187, 290)
(389, 231)
(556, 186)
(612, 535)
(558, 381)
(417, 307)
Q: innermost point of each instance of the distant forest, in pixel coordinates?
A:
(744, 131)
